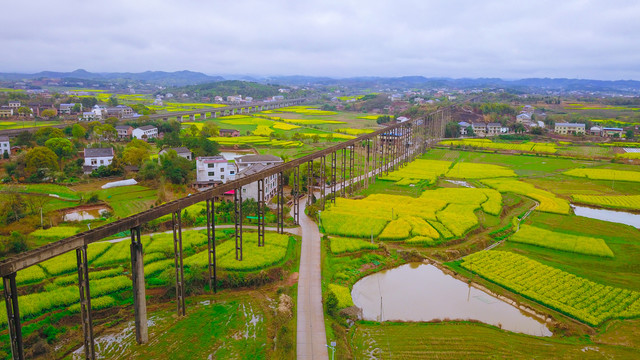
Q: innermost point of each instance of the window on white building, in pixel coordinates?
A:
(211, 166)
(211, 173)
(221, 176)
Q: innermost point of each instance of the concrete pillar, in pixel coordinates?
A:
(203, 116)
(192, 117)
(139, 299)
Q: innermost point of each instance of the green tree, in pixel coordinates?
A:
(46, 133)
(629, 134)
(105, 132)
(40, 157)
(48, 113)
(111, 120)
(89, 102)
(209, 129)
(77, 107)
(78, 132)
(176, 168)
(135, 155)
(113, 101)
(137, 143)
(24, 111)
(452, 130)
(25, 138)
(519, 128)
(61, 146)
(150, 170)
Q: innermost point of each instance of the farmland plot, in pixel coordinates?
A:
(577, 297)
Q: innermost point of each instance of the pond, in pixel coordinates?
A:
(621, 217)
(84, 214)
(419, 292)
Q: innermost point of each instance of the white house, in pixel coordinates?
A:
(96, 157)
(569, 128)
(252, 164)
(145, 132)
(463, 127)
(479, 129)
(67, 108)
(15, 105)
(181, 151)
(212, 170)
(100, 111)
(5, 146)
(494, 128)
(89, 116)
(523, 118)
(250, 191)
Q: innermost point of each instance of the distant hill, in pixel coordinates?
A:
(421, 82)
(189, 78)
(176, 78)
(230, 87)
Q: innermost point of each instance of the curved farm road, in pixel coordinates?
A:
(310, 333)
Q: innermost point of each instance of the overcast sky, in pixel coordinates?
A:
(453, 38)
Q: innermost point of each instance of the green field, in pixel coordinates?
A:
(470, 341)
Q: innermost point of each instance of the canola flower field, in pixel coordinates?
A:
(395, 217)
(626, 202)
(605, 174)
(582, 299)
(547, 148)
(549, 202)
(110, 262)
(559, 241)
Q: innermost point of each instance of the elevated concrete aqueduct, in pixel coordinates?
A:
(362, 158)
(179, 115)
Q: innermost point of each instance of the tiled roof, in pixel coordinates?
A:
(258, 158)
(98, 152)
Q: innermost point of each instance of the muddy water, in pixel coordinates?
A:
(80, 215)
(419, 292)
(621, 217)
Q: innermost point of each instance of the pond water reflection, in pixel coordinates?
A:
(419, 292)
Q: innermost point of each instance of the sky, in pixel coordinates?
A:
(509, 39)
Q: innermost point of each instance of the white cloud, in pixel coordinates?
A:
(456, 38)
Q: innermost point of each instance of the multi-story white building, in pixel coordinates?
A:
(96, 157)
(89, 116)
(145, 132)
(5, 146)
(252, 164)
(494, 128)
(212, 170)
(66, 109)
(250, 191)
(569, 128)
(15, 105)
(6, 111)
(479, 129)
